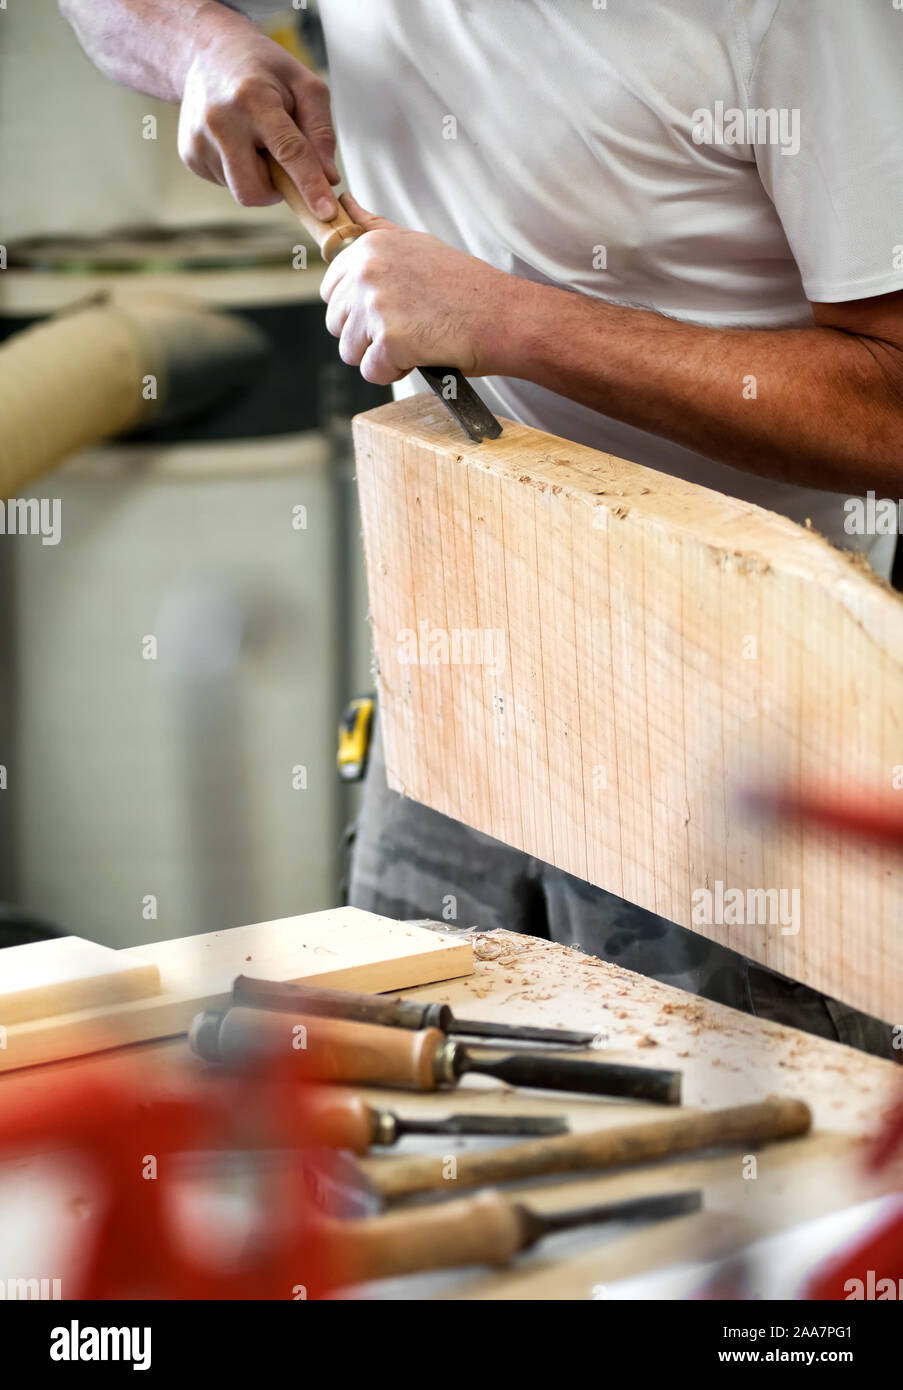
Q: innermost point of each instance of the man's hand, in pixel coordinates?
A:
(245, 94)
(241, 94)
(400, 299)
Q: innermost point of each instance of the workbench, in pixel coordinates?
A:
(727, 1058)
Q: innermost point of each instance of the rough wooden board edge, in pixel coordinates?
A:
(171, 1012)
(409, 450)
(743, 532)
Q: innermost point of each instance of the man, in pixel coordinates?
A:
(718, 180)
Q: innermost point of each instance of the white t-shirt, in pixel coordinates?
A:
(546, 136)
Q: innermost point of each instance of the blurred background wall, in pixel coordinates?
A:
(150, 796)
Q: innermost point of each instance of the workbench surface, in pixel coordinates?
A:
(727, 1058)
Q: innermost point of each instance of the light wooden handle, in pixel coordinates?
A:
(615, 1147)
(486, 1229)
(331, 1049)
(328, 235)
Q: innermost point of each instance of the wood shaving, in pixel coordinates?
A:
(484, 949)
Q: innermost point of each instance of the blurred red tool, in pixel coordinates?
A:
(856, 813)
(878, 1254)
(135, 1248)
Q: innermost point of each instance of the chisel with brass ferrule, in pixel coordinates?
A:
(392, 1012)
(343, 1120)
(334, 1050)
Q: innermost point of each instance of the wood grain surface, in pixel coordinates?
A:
(594, 662)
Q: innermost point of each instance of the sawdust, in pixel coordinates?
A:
(486, 949)
(722, 1053)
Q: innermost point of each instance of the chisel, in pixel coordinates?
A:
(450, 385)
(618, 1146)
(332, 1049)
(391, 1012)
(345, 1121)
(489, 1228)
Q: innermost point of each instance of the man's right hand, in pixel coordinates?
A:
(245, 95)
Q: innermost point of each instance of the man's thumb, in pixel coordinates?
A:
(368, 220)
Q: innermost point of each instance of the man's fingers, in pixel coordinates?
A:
(199, 155)
(333, 276)
(337, 313)
(378, 368)
(354, 342)
(247, 179)
(313, 114)
(301, 162)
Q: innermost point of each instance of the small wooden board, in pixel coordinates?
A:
(69, 973)
(343, 947)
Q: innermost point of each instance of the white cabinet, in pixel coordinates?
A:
(177, 777)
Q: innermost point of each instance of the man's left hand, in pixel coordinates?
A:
(399, 299)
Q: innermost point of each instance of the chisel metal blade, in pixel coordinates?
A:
(650, 1208)
(456, 393)
(485, 1124)
(557, 1072)
(517, 1032)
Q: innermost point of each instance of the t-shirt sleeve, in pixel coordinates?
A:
(839, 196)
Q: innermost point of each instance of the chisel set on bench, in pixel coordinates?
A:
(330, 1040)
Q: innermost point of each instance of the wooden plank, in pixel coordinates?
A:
(345, 947)
(329, 947)
(66, 974)
(590, 660)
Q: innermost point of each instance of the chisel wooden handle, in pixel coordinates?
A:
(328, 235)
(489, 1228)
(485, 1229)
(334, 1049)
(385, 1009)
(615, 1147)
(340, 1119)
(327, 1049)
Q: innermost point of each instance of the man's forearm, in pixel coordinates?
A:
(147, 44)
(814, 406)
